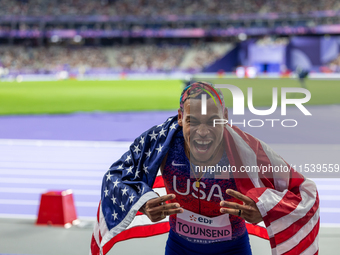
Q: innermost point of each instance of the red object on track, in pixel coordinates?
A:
(57, 209)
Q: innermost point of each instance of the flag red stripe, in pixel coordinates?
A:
(257, 231)
(306, 242)
(159, 183)
(287, 204)
(138, 232)
(287, 233)
(98, 211)
(94, 246)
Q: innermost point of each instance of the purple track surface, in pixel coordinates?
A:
(320, 128)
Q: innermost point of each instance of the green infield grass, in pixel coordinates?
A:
(129, 95)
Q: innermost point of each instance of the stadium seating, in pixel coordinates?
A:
(160, 8)
(120, 58)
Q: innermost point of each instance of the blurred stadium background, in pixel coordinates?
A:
(79, 80)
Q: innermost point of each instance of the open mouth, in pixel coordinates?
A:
(202, 146)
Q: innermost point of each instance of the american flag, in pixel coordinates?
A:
(288, 202)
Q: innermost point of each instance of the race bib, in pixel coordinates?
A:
(197, 228)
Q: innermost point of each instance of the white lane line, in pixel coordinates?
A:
(34, 217)
(50, 181)
(55, 166)
(328, 187)
(41, 191)
(330, 210)
(329, 197)
(64, 143)
(160, 191)
(35, 202)
(48, 172)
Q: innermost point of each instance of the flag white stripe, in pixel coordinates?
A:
(312, 249)
(247, 155)
(281, 178)
(160, 191)
(308, 195)
(102, 227)
(301, 234)
(143, 220)
(269, 199)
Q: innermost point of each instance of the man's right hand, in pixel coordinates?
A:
(156, 209)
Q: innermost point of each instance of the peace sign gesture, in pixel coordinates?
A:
(247, 211)
(156, 209)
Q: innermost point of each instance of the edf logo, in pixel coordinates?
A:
(205, 220)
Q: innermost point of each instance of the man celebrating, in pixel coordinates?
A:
(208, 208)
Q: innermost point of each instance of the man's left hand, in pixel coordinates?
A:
(249, 210)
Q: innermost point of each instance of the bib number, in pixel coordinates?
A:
(197, 228)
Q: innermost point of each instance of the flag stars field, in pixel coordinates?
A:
(122, 206)
(113, 199)
(128, 158)
(131, 198)
(142, 140)
(115, 183)
(136, 150)
(153, 135)
(173, 126)
(108, 176)
(145, 169)
(115, 215)
(129, 170)
(159, 149)
(136, 174)
(124, 191)
(106, 191)
(148, 153)
(162, 132)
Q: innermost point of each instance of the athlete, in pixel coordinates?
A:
(302, 75)
(203, 144)
(207, 208)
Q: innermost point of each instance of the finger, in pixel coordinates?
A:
(160, 200)
(231, 211)
(233, 205)
(164, 207)
(239, 196)
(173, 211)
(162, 214)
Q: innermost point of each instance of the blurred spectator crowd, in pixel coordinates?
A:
(335, 65)
(268, 41)
(150, 8)
(18, 58)
(120, 58)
